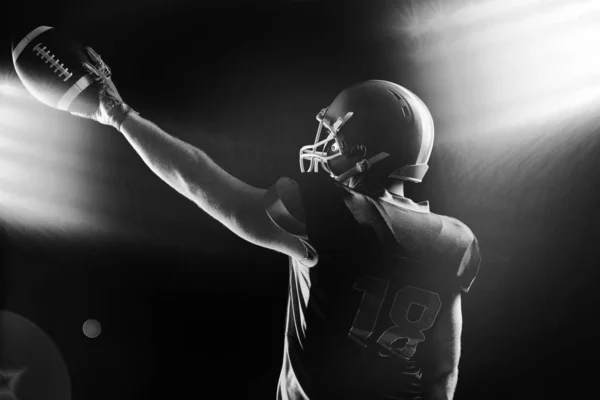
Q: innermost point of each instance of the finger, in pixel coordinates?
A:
(95, 56)
(102, 69)
(105, 70)
(91, 69)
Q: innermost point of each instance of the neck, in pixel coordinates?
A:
(396, 187)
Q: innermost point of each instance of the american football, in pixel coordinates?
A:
(50, 65)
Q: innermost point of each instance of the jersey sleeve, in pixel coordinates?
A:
(283, 204)
(469, 266)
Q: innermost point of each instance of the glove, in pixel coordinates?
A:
(111, 110)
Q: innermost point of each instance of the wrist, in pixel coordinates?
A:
(123, 114)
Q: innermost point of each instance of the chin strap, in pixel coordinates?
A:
(361, 166)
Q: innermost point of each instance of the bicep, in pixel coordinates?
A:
(254, 224)
(240, 207)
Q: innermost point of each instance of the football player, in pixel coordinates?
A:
(376, 280)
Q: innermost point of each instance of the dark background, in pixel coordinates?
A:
(189, 309)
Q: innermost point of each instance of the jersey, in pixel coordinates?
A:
(358, 320)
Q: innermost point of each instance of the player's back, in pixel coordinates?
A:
(358, 320)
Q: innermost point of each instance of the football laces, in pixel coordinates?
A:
(51, 60)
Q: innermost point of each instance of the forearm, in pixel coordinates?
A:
(442, 387)
(171, 159)
(182, 166)
(190, 171)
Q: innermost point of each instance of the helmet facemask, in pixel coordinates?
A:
(335, 149)
(327, 149)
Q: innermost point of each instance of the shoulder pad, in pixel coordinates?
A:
(283, 204)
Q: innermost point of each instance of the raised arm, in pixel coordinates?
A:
(92, 94)
(192, 173)
(189, 170)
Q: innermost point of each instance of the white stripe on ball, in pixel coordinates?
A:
(25, 41)
(73, 92)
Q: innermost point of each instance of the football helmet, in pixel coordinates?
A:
(376, 128)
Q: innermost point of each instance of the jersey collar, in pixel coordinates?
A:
(405, 202)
